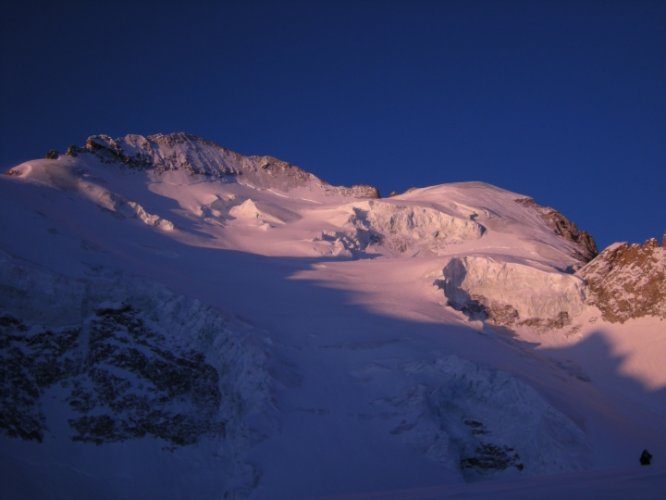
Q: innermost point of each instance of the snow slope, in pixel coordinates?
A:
(361, 346)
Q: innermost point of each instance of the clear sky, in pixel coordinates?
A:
(564, 101)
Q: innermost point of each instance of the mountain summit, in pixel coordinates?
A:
(218, 186)
(178, 320)
(184, 152)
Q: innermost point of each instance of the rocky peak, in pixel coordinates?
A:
(628, 281)
(164, 152)
(196, 156)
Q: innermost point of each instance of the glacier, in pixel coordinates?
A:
(179, 320)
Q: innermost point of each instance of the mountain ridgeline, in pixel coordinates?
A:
(178, 320)
(196, 156)
(362, 224)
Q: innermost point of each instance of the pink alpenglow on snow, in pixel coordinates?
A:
(182, 321)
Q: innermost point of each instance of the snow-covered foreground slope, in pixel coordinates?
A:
(104, 359)
(179, 321)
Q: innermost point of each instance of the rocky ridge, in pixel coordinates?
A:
(196, 156)
(127, 360)
(628, 281)
(120, 381)
(625, 281)
(585, 247)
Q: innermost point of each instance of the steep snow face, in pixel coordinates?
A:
(585, 248)
(483, 423)
(510, 293)
(513, 222)
(628, 281)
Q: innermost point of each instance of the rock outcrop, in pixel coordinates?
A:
(628, 281)
(124, 358)
(196, 156)
(121, 381)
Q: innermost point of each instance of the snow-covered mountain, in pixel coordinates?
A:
(179, 320)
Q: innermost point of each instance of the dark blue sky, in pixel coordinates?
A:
(562, 101)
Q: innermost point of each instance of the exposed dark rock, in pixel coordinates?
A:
(560, 321)
(109, 151)
(9, 321)
(496, 310)
(486, 457)
(491, 458)
(586, 248)
(646, 458)
(628, 281)
(361, 191)
(121, 379)
(479, 307)
(477, 428)
(30, 362)
(196, 156)
(180, 395)
(73, 150)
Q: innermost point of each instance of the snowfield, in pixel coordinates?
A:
(181, 321)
